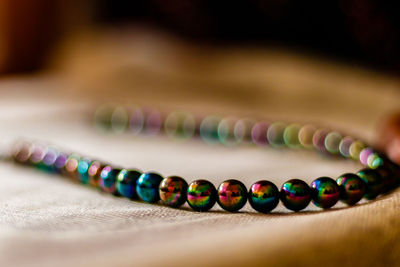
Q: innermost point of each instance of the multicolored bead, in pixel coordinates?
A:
(94, 172)
(325, 192)
(232, 195)
(173, 191)
(147, 187)
(82, 169)
(295, 194)
(108, 180)
(373, 181)
(263, 196)
(201, 195)
(352, 188)
(126, 183)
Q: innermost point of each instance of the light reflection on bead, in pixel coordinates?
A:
(232, 195)
(325, 192)
(259, 133)
(275, 134)
(126, 183)
(306, 134)
(295, 194)
(344, 146)
(108, 179)
(201, 195)
(373, 181)
(173, 191)
(94, 172)
(147, 187)
(209, 129)
(332, 142)
(352, 188)
(291, 135)
(263, 196)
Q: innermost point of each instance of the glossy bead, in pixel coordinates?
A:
(352, 188)
(147, 187)
(82, 169)
(332, 142)
(291, 135)
(201, 195)
(295, 194)
(173, 191)
(242, 130)
(373, 181)
(365, 154)
(94, 172)
(388, 178)
(319, 140)
(344, 146)
(108, 180)
(232, 195)
(259, 133)
(275, 134)
(306, 134)
(263, 196)
(22, 151)
(325, 192)
(126, 183)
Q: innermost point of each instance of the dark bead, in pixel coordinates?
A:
(232, 195)
(388, 178)
(126, 183)
(108, 180)
(201, 195)
(264, 196)
(373, 181)
(295, 194)
(352, 188)
(325, 192)
(147, 187)
(173, 191)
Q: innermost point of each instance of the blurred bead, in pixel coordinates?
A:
(71, 166)
(108, 180)
(22, 151)
(180, 125)
(232, 195)
(242, 130)
(306, 134)
(352, 188)
(226, 131)
(259, 133)
(136, 121)
(61, 160)
(374, 160)
(263, 196)
(275, 134)
(201, 195)
(126, 183)
(49, 159)
(295, 194)
(147, 187)
(82, 169)
(319, 140)
(355, 149)
(364, 154)
(344, 146)
(173, 191)
(38, 153)
(325, 192)
(209, 129)
(102, 117)
(388, 177)
(332, 142)
(291, 135)
(94, 172)
(373, 181)
(153, 122)
(119, 120)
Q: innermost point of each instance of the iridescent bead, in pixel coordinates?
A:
(259, 133)
(344, 146)
(263, 196)
(291, 135)
(275, 134)
(108, 180)
(388, 178)
(71, 166)
(319, 140)
(147, 187)
(373, 181)
(364, 155)
(180, 125)
(126, 183)
(226, 131)
(352, 188)
(232, 195)
(209, 129)
(295, 194)
(94, 172)
(325, 192)
(306, 134)
(242, 130)
(332, 142)
(173, 191)
(201, 195)
(82, 169)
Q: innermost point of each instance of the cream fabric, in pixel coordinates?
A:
(49, 221)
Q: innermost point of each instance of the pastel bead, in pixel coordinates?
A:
(201, 195)
(173, 191)
(352, 188)
(291, 135)
(373, 181)
(22, 151)
(126, 183)
(108, 180)
(49, 159)
(259, 133)
(209, 129)
(232, 195)
(263, 196)
(71, 166)
(94, 172)
(82, 169)
(295, 194)
(61, 160)
(325, 192)
(275, 134)
(147, 187)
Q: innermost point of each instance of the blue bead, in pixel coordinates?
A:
(126, 182)
(147, 187)
(108, 179)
